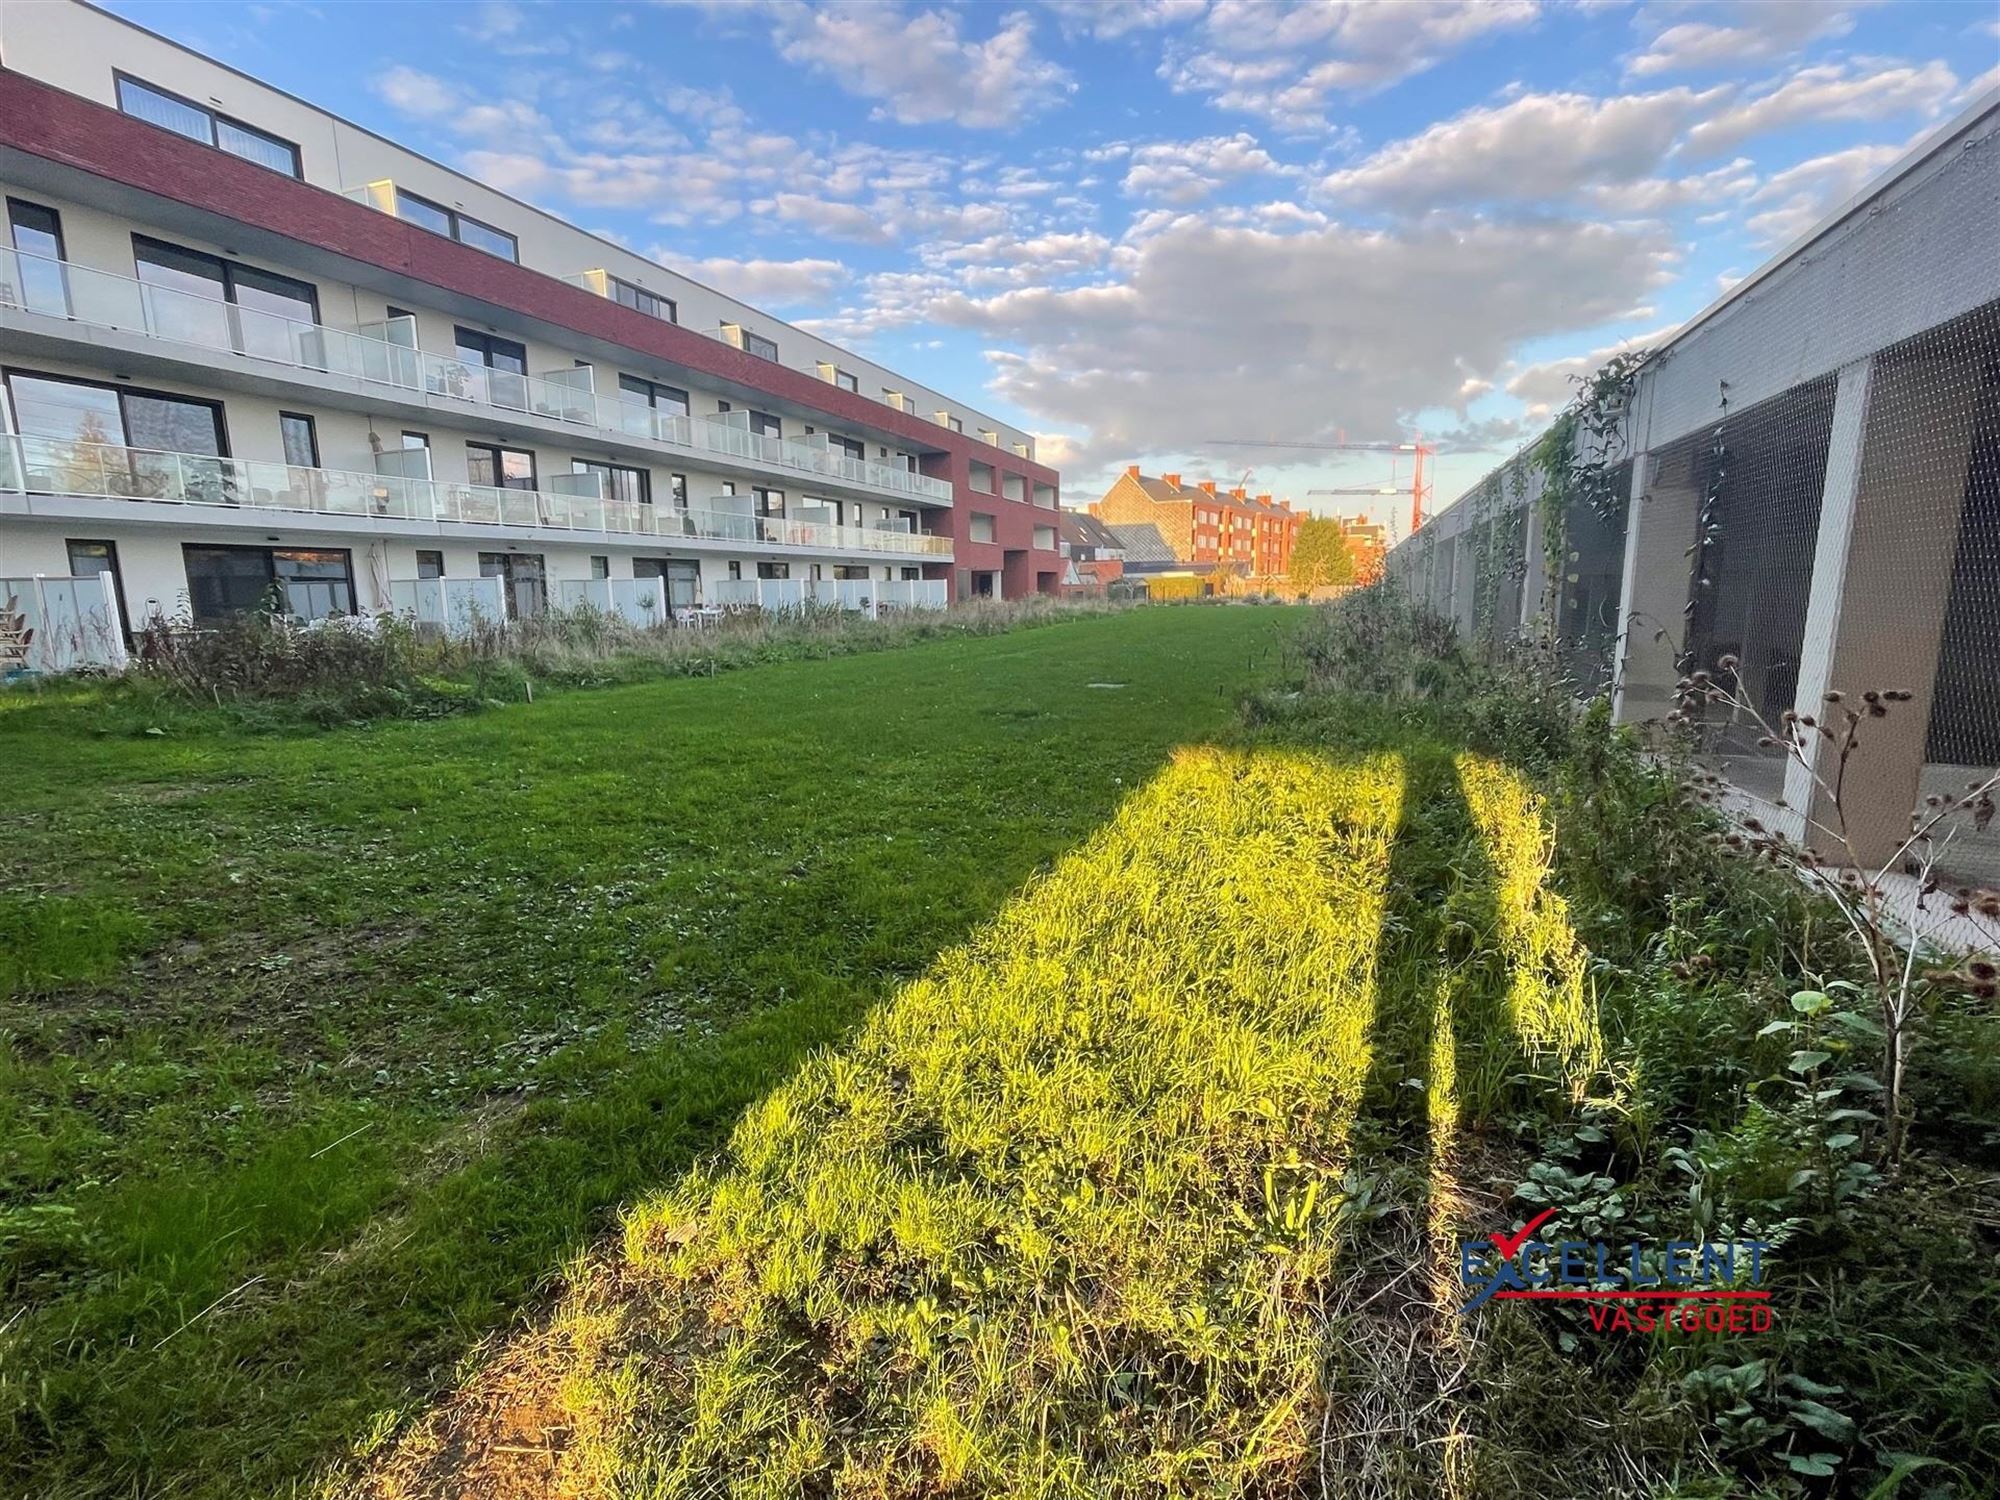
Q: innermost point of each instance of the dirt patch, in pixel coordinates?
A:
(509, 1431)
(501, 1436)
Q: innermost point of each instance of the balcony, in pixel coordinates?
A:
(830, 593)
(391, 362)
(54, 466)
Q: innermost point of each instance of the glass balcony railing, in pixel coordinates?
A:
(60, 466)
(81, 294)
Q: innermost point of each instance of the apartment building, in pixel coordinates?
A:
(1209, 529)
(246, 345)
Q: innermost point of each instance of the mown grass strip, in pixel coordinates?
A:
(1056, 1222)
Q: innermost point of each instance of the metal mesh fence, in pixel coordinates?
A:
(1812, 495)
(1760, 476)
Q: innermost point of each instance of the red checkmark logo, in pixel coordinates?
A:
(1510, 1245)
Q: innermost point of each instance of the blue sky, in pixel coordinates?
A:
(1134, 226)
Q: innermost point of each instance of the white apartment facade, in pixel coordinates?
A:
(246, 346)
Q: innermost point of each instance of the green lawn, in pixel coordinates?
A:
(320, 1054)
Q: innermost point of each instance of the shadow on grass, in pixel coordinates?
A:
(1062, 1205)
(241, 1387)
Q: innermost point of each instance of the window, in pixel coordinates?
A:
(430, 564)
(600, 567)
(852, 447)
(89, 559)
(640, 300)
(83, 411)
(490, 350)
(500, 468)
(667, 398)
(301, 440)
(989, 436)
(454, 225)
(757, 344)
(417, 440)
(774, 570)
(735, 568)
(767, 502)
(311, 584)
(911, 574)
(850, 572)
(37, 235)
(156, 106)
(847, 382)
(766, 425)
(677, 486)
(981, 528)
(270, 304)
(524, 581)
(621, 482)
(893, 398)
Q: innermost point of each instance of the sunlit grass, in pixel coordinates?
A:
(1548, 998)
(1056, 1223)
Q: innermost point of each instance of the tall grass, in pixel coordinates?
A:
(257, 671)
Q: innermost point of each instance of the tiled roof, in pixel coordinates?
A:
(1080, 529)
(1142, 543)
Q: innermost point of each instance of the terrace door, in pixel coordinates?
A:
(682, 576)
(524, 581)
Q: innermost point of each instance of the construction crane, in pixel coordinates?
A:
(1420, 486)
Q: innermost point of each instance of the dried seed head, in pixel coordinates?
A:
(1836, 696)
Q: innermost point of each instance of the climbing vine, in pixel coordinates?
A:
(1578, 459)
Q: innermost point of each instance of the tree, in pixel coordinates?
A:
(1320, 556)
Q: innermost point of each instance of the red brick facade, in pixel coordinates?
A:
(1230, 530)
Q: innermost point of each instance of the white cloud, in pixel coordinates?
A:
(1009, 260)
(1289, 331)
(921, 68)
(1109, 19)
(1286, 62)
(1755, 31)
(424, 96)
(1188, 171)
(1799, 197)
(840, 221)
(1819, 94)
(1547, 384)
(768, 283)
(1535, 148)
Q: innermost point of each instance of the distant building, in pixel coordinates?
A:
(1229, 534)
(1367, 544)
(1095, 556)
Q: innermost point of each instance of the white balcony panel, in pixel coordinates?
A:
(53, 624)
(457, 606)
(34, 466)
(64, 300)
